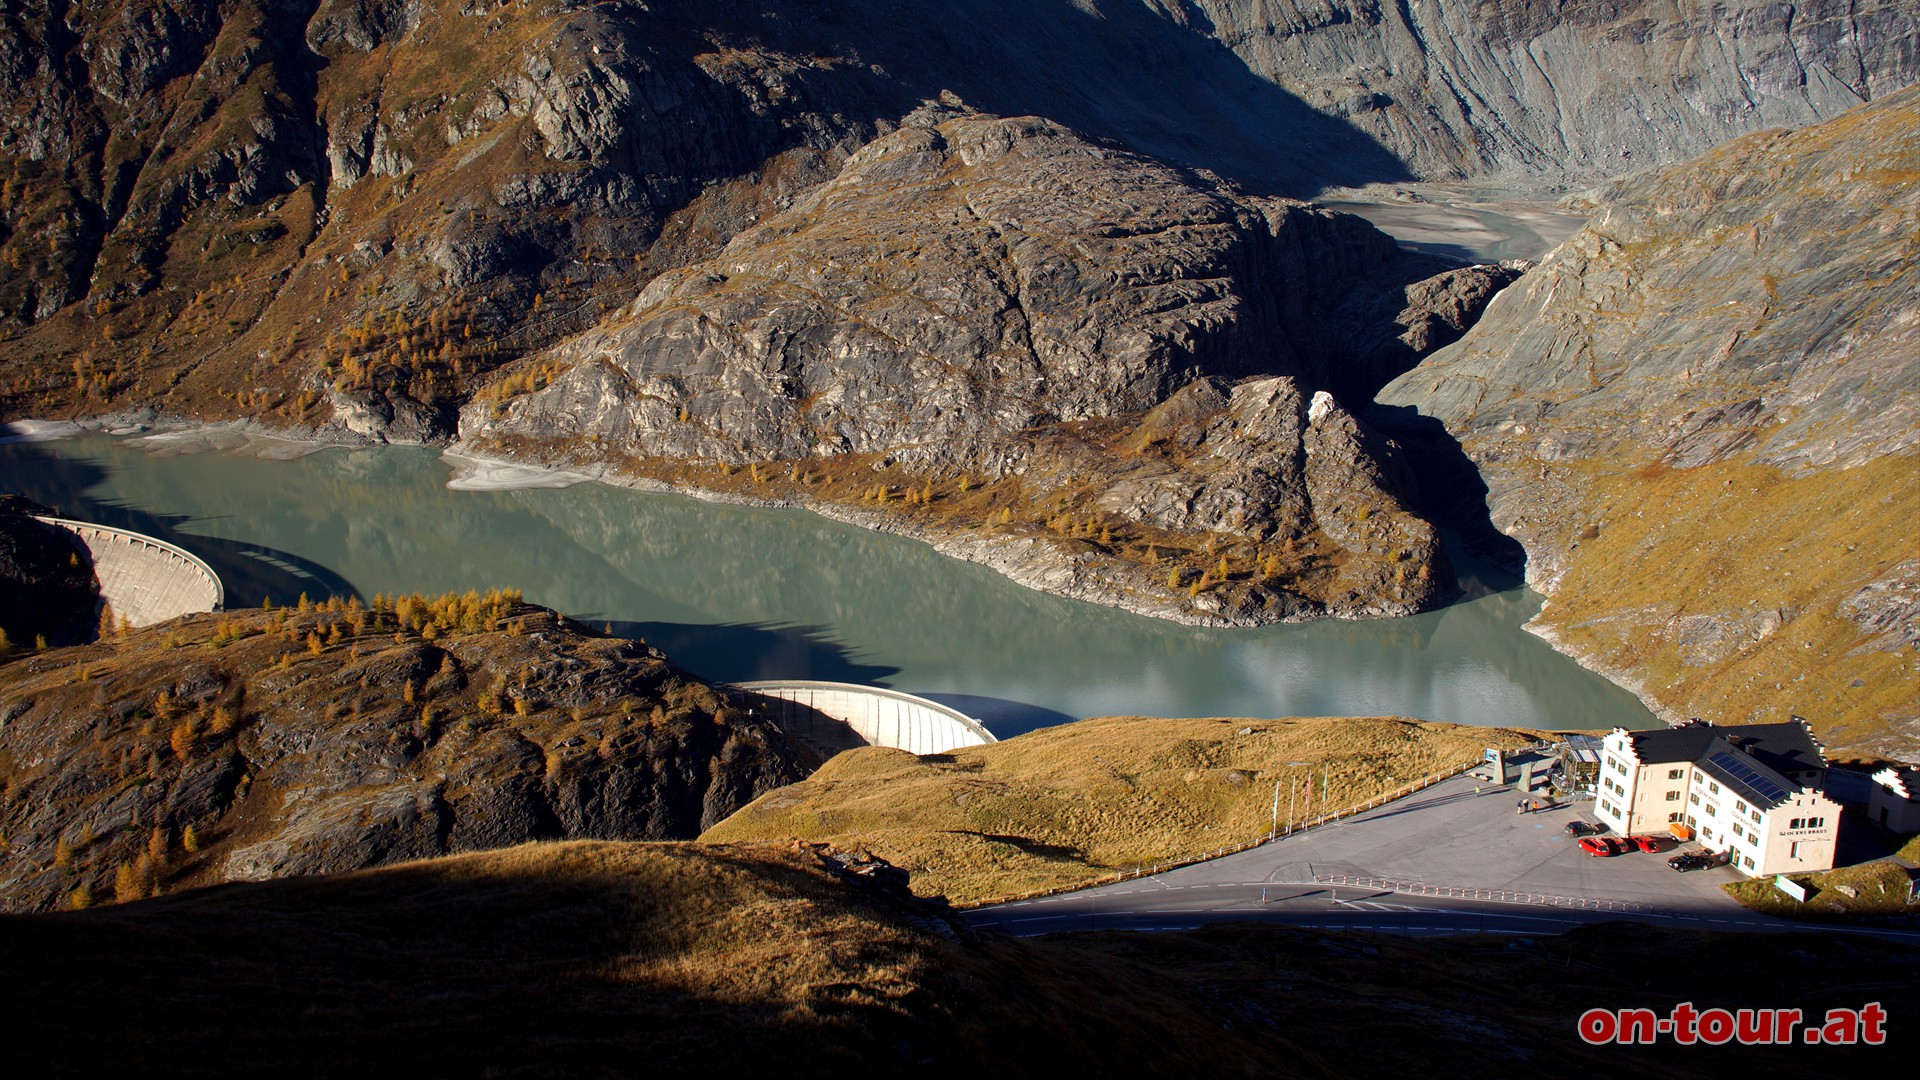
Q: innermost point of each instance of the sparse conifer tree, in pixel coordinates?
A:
(126, 885)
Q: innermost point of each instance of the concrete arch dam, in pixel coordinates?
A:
(145, 580)
(831, 717)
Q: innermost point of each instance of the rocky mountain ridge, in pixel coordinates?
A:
(264, 744)
(350, 211)
(996, 303)
(1717, 383)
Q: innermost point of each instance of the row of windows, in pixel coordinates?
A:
(1806, 822)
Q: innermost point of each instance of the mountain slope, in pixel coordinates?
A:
(602, 959)
(263, 744)
(975, 300)
(341, 211)
(1716, 385)
(1066, 805)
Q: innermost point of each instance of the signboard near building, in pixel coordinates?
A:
(1792, 888)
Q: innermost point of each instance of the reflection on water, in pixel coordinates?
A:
(741, 593)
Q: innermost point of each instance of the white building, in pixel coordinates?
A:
(1751, 792)
(1895, 801)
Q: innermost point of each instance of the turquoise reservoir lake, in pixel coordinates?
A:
(736, 593)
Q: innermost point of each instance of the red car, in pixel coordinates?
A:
(1649, 843)
(1603, 846)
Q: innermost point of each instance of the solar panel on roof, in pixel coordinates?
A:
(1749, 776)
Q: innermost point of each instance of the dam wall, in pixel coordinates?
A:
(832, 716)
(145, 580)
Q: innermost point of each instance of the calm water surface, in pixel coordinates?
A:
(741, 593)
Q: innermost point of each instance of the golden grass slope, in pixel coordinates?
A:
(1069, 804)
(1759, 631)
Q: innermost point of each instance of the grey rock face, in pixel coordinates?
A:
(955, 284)
(1568, 90)
(1755, 304)
(1889, 609)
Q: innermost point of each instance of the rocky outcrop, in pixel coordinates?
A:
(1700, 417)
(999, 298)
(269, 744)
(961, 280)
(47, 589)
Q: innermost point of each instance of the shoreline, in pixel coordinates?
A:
(1024, 560)
(1625, 680)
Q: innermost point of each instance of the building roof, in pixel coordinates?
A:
(1783, 748)
(1747, 777)
(1902, 780)
(1586, 749)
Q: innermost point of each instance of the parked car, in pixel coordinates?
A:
(1652, 844)
(1690, 860)
(1603, 846)
(1577, 829)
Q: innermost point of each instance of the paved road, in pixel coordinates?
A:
(1450, 835)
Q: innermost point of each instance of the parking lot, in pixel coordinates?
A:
(1467, 833)
(1461, 842)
